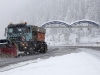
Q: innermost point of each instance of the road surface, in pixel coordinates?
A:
(52, 52)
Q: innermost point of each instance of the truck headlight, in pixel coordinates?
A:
(25, 47)
(23, 44)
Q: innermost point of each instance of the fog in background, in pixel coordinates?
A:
(38, 12)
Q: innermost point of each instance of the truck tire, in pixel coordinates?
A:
(43, 48)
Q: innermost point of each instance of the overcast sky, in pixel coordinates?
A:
(38, 12)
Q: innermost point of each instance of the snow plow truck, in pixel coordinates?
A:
(23, 39)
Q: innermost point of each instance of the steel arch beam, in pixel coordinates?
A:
(55, 22)
(84, 21)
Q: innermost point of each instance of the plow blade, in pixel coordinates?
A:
(7, 49)
(8, 52)
(3, 55)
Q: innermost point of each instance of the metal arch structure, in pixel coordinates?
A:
(71, 25)
(55, 22)
(84, 21)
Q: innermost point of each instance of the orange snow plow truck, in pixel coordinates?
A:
(23, 39)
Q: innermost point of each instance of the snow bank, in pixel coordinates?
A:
(72, 64)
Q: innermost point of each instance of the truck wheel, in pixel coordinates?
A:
(31, 51)
(43, 48)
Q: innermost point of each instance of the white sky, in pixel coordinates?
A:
(7, 9)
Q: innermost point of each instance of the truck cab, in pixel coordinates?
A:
(28, 38)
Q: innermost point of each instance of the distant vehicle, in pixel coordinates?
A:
(23, 38)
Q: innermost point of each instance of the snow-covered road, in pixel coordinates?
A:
(86, 62)
(52, 52)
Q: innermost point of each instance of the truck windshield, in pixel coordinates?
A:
(18, 30)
